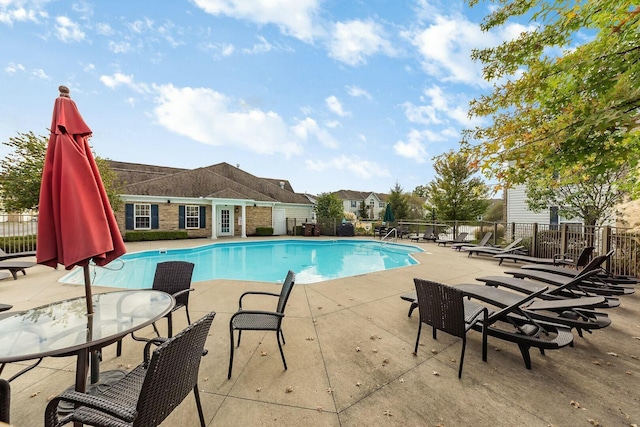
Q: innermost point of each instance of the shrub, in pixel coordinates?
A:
(264, 231)
(14, 244)
(143, 236)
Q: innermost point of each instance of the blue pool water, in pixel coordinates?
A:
(263, 261)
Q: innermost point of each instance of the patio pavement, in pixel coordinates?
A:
(349, 346)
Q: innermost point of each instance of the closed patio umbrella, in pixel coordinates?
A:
(388, 214)
(75, 221)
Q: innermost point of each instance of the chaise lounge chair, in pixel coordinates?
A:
(576, 313)
(603, 274)
(5, 256)
(589, 283)
(483, 242)
(428, 235)
(581, 261)
(462, 238)
(507, 325)
(492, 250)
(16, 266)
(569, 290)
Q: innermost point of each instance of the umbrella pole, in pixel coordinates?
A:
(87, 289)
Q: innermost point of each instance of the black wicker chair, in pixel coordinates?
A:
(5, 401)
(172, 277)
(444, 307)
(150, 392)
(257, 320)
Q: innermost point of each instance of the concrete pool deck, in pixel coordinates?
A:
(349, 346)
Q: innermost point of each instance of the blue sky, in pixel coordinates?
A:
(328, 94)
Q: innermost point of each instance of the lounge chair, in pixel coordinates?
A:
(588, 283)
(603, 274)
(525, 332)
(444, 307)
(571, 289)
(492, 250)
(577, 313)
(579, 262)
(462, 238)
(5, 256)
(428, 235)
(483, 242)
(16, 266)
(573, 313)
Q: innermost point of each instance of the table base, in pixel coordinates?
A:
(107, 378)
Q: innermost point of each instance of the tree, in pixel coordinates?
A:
(593, 198)
(363, 212)
(560, 106)
(329, 206)
(455, 193)
(399, 202)
(21, 174)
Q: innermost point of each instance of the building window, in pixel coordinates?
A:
(381, 205)
(142, 216)
(354, 204)
(371, 203)
(192, 216)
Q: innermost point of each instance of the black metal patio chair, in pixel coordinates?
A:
(445, 308)
(260, 320)
(150, 392)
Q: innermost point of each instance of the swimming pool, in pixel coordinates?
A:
(263, 261)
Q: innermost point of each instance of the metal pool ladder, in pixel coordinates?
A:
(387, 237)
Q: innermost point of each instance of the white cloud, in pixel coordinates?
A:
(307, 128)
(293, 17)
(104, 29)
(263, 47)
(422, 114)
(332, 124)
(15, 11)
(353, 41)
(140, 26)
(67, 30)
(39, 73)
(359, 167)
(121, 47)
(210, 117)
(358, 92)
(333, 103)
(119, 79)
(415, 146)
(445, 47)
(13, 68)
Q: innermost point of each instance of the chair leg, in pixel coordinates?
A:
(188, 318)
(169, 325)
(231, 344)
(199, 405)
(418, 337)
(464, 345)
(524, 350)
(484, 343)
(119, 348)
(282, 335)
(239, 335)
(155, 328)
(281, 352)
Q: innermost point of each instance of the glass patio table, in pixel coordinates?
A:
(64, 329)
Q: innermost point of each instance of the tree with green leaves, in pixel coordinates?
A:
(399, 203)
(363, 212)
(560, 104)
(329, 206)
(593, 198)
(455, 192)
(21, 174)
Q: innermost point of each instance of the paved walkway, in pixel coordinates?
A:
(349, 350)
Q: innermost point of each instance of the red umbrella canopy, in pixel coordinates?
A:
(75, 220)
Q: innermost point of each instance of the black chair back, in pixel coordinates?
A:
(172, 372)
(287, 286)
(441, 307)
(5, 401)
(172, 277)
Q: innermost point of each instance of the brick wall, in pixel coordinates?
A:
(168, 220)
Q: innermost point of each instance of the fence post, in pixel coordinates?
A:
(513, 231)
(534, 240)
(605, 244)
(563, 238)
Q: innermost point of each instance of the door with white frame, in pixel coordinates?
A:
(225, 221)
(279, 222)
